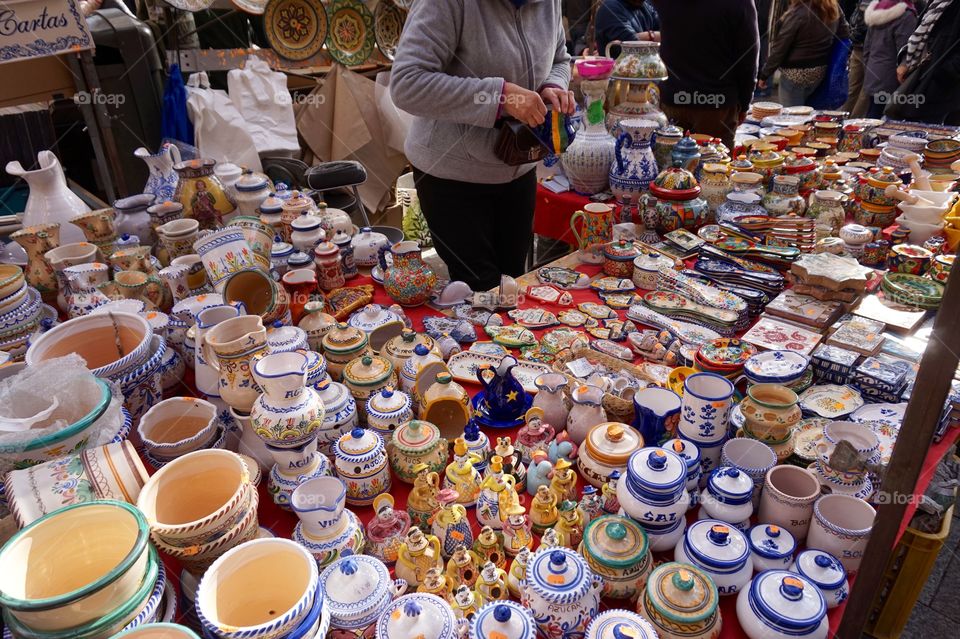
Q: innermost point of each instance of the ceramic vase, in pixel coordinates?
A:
(36, 242)
(409, 281)
(784, 196)
(587, 161)
(201, 193)
(224, 253)
(133, 219)
(586, 413)
(162, 181)
(551, 400)
(634, 166)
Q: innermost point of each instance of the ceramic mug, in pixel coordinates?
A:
(789, 493)
(841, 526)
(705, 408)
(657, 414)
(178, 236)
(224, 253)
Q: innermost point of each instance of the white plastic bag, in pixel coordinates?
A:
(262, 98)
(394, 121)
(220, 132)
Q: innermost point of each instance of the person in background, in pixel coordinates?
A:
(577, 14)
(930, 68)
(626, 21)
(802, 48)
(708, 93)
(857, 99)
(889, 25)
(763, 23)
(447, 75)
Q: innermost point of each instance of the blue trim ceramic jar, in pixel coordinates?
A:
(690, 454)
(356, 590)
(417, 614)
(562, 592)
(782, 605)
(825, 572)
(498, 619)
(720, 551)
(728, 496)
(772, 547)
(361, 461)
(620, 624)
(653, 491)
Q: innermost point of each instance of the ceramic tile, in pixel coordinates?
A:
(775, 335)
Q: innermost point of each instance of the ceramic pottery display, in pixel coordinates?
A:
(779, 603)
(634, 166)
(681, 601)
(361, 461)
(653, 493)
(586, 162)
(720, 551)
(617, 551)
(201, 193)
(409, 281)
(562, 591)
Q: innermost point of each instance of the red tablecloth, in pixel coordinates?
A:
(551, 217)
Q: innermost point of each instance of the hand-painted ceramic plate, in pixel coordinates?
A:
(512, 336)
(295, 29)
(776, 367)
(350, 37)
(830, 401)
(488, 348)
(388, 19)
(806, 435)
(727, 352)
(891, 414)
(255, 7)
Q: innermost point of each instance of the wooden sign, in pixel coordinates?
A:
(38, 28)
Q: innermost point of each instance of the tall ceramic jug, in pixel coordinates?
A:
(208, 377)
(162, 180)
(36, 241)
(82, 281)
(587, 160)
(504, 395)
(635, 166)
(410, 280)
(51, 201)
(597, 228)
(64, 256)
(586, 413)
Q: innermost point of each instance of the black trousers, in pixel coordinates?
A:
(482, 231)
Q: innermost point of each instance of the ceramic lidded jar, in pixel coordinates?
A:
(719, 550)
(772, 547)
(784, 196)
(826, 207)
(250, 190)
(503, 619)
(316, 323)
(616, 549)
(305, 232)
(678, 205)
(562, 591)
(356, 590)
(691, 455)
(618, 258)
(780, 604)
(342, 344)
(728, 495)
(133, 218)
(361, 461)
(715, 184)
(340, 416)
(366, 246)
(371, 317)
(607, 447)
(400, 348)
(826, 573)
(653, 491)
(367, 375)
(334, 220)
(416, 442)
(387, 411)
(681, 596)
(417, 615)
(620, 624)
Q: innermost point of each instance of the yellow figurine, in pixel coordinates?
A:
(462, 474)
(465, 602)
(497, 494)
(463, 567)
(422, 501)
(492, 584)
(489, 546)
(563, 484)
(543, 510)
(435, 582)
(517, 533)
(418, 554)
(569, 526)
(549, 539)
(518, 573)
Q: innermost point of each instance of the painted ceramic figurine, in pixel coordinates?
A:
(422, 500)
(436, 582)
(536, 434)
(569, 524)
(497, 494)
(463, 567)
(489, 546)
(518, 573)
(387, 529)
(517, 531)
(563, 484)
(418, 554)
(591, 504)
(549, 539)
(462, 474)
(543, 510)
(477, 443)
(450, 523)
(562, 447)
(465, 602)
(492, 584)
(512, 461)
(539, 472)
(611, 504)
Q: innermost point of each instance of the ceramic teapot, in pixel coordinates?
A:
(503, 394)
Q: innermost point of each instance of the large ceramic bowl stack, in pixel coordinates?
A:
(925, 218)
(199, 506)
(20, 311)
(177, 426)
(761, 110)
(86, 571)
(938, 155)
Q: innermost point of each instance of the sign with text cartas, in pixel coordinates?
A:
(38, 28)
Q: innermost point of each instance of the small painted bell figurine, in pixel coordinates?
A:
(591, 504)
(569, 525)
(562, 447)
(492, 584)
(517, 531)
(465, 602)
(422, 500)
(436, 582)
(387, 530)
(534, 435)
(496, 495)
(539, 472)
(418, 554)
(462, 475)
(463, 567)
(563, 484)
(512, 461)
(489, 546)
(477, 443)
(543, 510)
(450, 523)
(611, 505)
(518, 573)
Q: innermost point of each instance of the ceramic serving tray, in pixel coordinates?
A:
(684, 331)
(487, 347)
(667, 302)
(513, 336)
(891, 414)
(671, 280)
(772, 334)
(596, 311)
(858, 334)
(620, 301)
(465, 364)
(777, 367)
(830, 401)
(804, 309)
(806, 435)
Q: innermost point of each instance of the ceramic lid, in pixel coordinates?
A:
(281, 249)
(417, 615)
(305, 222)
(299, 259)
(651, 261)
(503, 620)
(416, 436)
(353, 585)
(730, 485)
(326, 249)
(251, 181)
(368, 370)
(297, 200)
(559, 574)
(389, 400)
(883, 177)
(615, 541)
(741, 163)
(620, 624)
(620, 251)
(716, 544)
(359, 441)
(688, 451)
(344, 338)
(820, 567)
(612, 443)
(670, 131)
(372, 316)
(799, 164)
(682, 593)
(165, 207)
(282, 339)
(271, 204)
(401, 346)
(787, 601)
(675, 183)
(772, 542)
(766, 159)
(657, 469)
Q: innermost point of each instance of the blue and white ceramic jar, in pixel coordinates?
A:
(417, 614)
(361, 462)
(498, 619)
(562, 592)
(690, 454)
(825, 572)
(340, 416)
(634, 166)
(720, 551)
(782, 605)
(728, 496)
(653, 492)
(620, 624)
(772, 547)
(356, 590)
(388, 410)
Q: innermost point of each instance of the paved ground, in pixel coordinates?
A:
(937, 613)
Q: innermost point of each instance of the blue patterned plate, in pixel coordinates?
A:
(777, 367)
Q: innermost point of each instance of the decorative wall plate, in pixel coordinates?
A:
(684, 331)
(458, 329)
(295, 29)
(562, 338)
(388, 19)
(830, 401)
(807, 434)
(597, 311)
(512, 336)
(465, 364)
(772, 334)
(255, 7)
(533, 317)
(776, 367)
(486, 347)
(574, 318)
(350, 38)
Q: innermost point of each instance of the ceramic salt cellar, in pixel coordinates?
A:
(400, 348)
(366, 376)
(417, 615)
(825, 572)
(543, 510)
(356, 590)
(591, 504)
(607, 447)
(450, 523)
(361, 461)
(562, 592)
(653, 493)
(780, 604)
(462, 475)
(772, 547)
(617, 551)
(512, 461)
(690, 454)
(388, 410)
(563, 483)
(416, 442)
(728, 496)
(720, 551)
(418, 553)
(422, 500)
(387, 529)
(681, 601)
(502, 620)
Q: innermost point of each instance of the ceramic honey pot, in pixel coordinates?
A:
(361, 462)
(417, 554)
(562, 591)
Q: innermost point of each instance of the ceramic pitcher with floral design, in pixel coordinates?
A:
(36, 241)
(232, 347)
(597, 228)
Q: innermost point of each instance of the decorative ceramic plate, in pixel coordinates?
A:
(596, 311)
(612, 284)
(912, 290)
(458, 329)
(388, 19)
(613, 349)
(573, 318)
(806, 435)
(477, 316)
(350, 38)
(890, 414)
(773, 335)
(659, 373)
(256, 7)
(830, 401)
(777, 367)
(533, 317)
(465, 364)
(295, 29)
(562, 277)
(887, 436)
(727, 352)
(549, 294)
(513, 336)
(488, 348)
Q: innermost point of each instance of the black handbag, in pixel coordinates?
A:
(517, 144)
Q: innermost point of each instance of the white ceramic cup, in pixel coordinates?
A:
(841, 526)
(787, 499)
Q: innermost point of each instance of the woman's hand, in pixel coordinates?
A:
(902, 73)
(561, 100)
(761, 84)
(523, 104)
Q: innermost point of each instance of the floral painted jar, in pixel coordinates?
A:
(784, 197)
(780, 604)
(715, 184)
(562, 592)
(342, 344)
(940, 268)
(361, 461)
(653, 492)
(768, 164)
(826, 207)
(365, 377)
(806, 170)
(720, 551)
(728, 495)
(607, 447)
(825, 572)
(617, 551)
(681, 602)
(416, 442)
(618, 258)
(871, 186)
(679, 205)
(770, 411)
(387, 411)
(771, 546)
(417, 615)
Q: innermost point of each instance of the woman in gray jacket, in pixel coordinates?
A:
(889, 25)
(461, 66)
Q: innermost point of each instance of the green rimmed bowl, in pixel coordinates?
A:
(912, 290)
(75, 569)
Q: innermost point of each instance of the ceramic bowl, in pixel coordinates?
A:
(11, 279)
(157, 631)
(94, 337)
(841, 526)
(195, 494)
(74, 565)
(789, 493)
(919, 232)
(177, 426)
(921, 213)
(261, 589)
(749, 455)
(233, 533)
(863, 439)
(13, 300)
